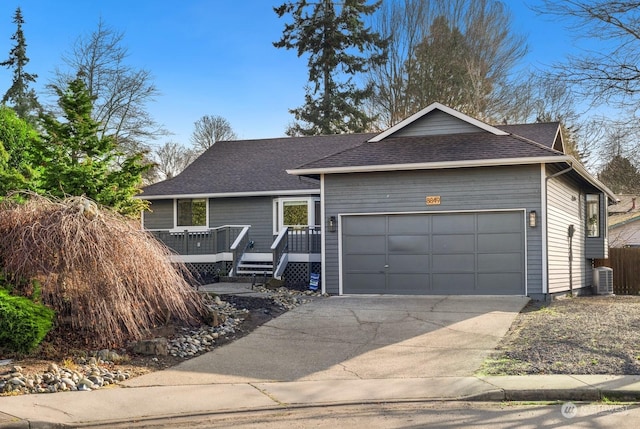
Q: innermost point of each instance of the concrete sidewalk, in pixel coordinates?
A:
(121, 405)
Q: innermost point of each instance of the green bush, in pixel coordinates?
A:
(23, 323)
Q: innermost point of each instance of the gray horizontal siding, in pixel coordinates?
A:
(436, 123)
(565, 206)
(254, 211)
(465, 189)
(159, 215)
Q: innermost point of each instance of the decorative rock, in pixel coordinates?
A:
(154, 347)
(17, 382)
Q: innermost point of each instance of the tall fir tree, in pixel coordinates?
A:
(339, 47)
(77, 160)
(23, 99)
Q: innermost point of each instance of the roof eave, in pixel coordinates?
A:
(428, 165)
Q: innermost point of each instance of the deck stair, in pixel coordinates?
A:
(255, 263)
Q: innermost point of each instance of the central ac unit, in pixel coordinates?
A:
(603, 281)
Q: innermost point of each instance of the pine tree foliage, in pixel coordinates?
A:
(339, 48)
(621, 176)
(79, 161)
(19, 95)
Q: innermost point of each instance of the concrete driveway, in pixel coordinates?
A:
(357, 337)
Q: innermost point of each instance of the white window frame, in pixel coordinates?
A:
(190, 227)
(278, 211)
(597, 218)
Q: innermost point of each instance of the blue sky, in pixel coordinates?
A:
(208, 57)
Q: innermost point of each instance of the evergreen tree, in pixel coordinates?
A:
(621, 176)
(23, 99)
(332, 40)
(77, 160)
(19, 140)
(439, 69)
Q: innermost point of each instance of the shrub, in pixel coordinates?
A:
(107, 280)
(23, 323)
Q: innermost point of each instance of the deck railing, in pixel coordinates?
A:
(206, 242)
(304, 239)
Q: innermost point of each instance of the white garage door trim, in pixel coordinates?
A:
(523, 212)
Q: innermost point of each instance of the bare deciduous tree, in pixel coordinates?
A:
(121, 91)
(210, 129)
(171, 158)
(610, 74)
(492, 50)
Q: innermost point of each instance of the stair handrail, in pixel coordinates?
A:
(238, 247)
(280, 247)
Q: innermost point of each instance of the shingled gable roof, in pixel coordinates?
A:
(477, 143)
(252, 167)
(489, 146)
(546, 133)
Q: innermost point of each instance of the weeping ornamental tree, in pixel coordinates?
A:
(78, 160)
(339, 47)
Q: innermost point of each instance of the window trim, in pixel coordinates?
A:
(278, 211)
(180, 228)
(598, 215)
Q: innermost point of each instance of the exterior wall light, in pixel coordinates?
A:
(533, 219)
(332, 224)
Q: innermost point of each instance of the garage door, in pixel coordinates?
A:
(461, 253)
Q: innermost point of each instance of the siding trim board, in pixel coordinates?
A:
(341, 245)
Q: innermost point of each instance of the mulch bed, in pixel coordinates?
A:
(581, 335)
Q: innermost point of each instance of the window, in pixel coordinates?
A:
(296, 213)
(593, 215)
(192, 212)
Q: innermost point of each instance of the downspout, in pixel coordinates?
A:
(546, 231)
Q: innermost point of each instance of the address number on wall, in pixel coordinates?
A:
(433, 200)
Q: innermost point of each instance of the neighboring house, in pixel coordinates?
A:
(624, 222)
(439, 204)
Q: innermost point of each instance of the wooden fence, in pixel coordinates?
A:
(625, 263)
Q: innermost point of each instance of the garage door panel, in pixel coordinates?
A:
(409, 224)
(453, 243)
(364, 225)
(500, 283)
(409, 264)
(453, 284)
(510, 242)
(500, 222)
(453, 222)
(454, 263)
(365, 283)
(403, 284)
(365, 263)
(366, 244)
(408, 244)
(500, 262)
